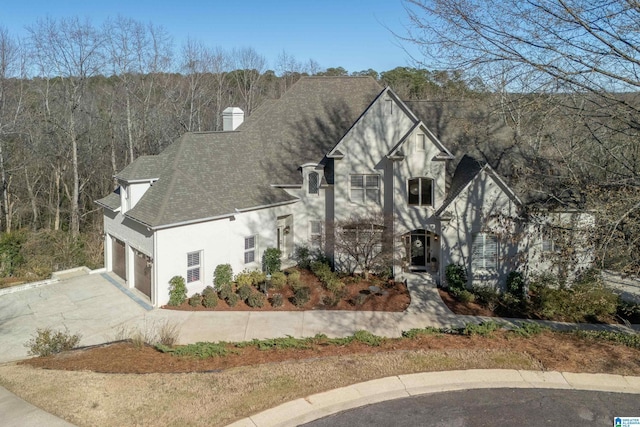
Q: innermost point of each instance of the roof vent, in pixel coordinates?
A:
(232, 117)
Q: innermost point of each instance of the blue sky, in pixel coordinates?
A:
(346, 33)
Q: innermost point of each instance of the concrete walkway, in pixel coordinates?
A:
(100, 308)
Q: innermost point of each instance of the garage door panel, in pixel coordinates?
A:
(142, 273)
(118, 259)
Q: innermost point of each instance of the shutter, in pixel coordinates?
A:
(490, 252)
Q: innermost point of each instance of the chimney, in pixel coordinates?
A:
(232, 117)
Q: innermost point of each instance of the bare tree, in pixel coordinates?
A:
(363, 244)
(568, 74)
(249, 67)
(11, 105)
(71, 51)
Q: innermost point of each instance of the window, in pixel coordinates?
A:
(421, 142)
(365, 188)
(315, 234)
(420, 192)
(314, 183)
(548, 245)
(249, 249)
(193, 267)
(484, 252)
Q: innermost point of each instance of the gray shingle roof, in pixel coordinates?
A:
(465, 172)
(112, 201)
(144, 167)
(213, 174)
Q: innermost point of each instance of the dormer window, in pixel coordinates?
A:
(420, 192)
(314, 183)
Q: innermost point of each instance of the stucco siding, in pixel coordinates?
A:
(483, 207)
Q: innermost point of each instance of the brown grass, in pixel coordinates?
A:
(242, 384)
(93, 399)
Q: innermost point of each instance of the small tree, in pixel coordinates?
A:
(456, 277)
(223, 275)
(177, 291)
(363, 244)
(271, 260)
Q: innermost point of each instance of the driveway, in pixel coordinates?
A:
(87, 304)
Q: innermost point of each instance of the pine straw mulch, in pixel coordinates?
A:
(553, 350)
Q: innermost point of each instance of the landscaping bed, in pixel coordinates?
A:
(353, 292)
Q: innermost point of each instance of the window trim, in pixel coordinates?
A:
(315, 190)
(484, 256)
(420, 180)
(251, 249)
(364, 188)
(315, 238)
(194, 267)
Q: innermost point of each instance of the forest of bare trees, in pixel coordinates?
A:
(80, 101)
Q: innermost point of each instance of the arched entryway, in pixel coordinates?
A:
(421, 248)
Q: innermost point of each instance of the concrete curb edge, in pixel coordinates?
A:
(304, 410)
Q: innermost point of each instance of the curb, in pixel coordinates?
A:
(320, 405)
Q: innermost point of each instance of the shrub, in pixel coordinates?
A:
(47, 341)
(195, 300)
(466, 296)
(225, 291)
(417, 332)
(278, 280)
(177, 291)
(210, 300)
(302, 257)
(244, 279)
(529, 329)
(456, 276)
(232, 300)
(583, 302)
(516, 285)
(301, 296)
(484, 329)
(322, 271)
(271, 260)
(487, 296)
(201, 350)
(331, 300)
(208, 290)
(335, 286)
(244, 291)
(368, 338)
(11, 256)
(293, 279)
(256, 299)
(223, 275)
(257, 277)
(277, 300)
(359, 300)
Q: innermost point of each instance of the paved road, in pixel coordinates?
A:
(492, 407)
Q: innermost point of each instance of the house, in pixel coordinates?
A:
(329, 150)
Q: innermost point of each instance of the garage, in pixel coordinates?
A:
(142, 273)
(118, 259)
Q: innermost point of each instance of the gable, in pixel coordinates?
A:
(476, 186)
(386, 120)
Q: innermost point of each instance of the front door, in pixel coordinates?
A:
(285, 236)
(418, 250)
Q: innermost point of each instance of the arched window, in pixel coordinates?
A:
(314, 183)
(420, 192)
